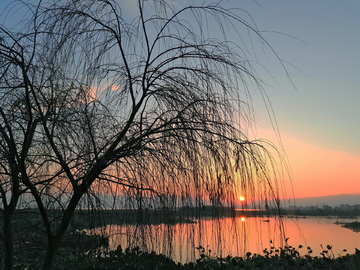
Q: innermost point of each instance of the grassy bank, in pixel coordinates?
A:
(275, 258)
(354, 226)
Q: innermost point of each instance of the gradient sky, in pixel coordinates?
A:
(319, 121)
(319, 118)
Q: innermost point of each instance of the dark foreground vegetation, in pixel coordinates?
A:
(275, 258)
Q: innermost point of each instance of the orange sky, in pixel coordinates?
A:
(318, 171)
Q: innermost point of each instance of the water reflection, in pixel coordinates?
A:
(235, 237)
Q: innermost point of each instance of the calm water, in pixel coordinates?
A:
(227, 236)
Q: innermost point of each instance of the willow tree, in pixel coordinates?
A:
(22, 150)
(150, 104)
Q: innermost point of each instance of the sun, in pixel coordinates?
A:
(242, 198)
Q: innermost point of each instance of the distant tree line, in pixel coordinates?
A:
(341, 210)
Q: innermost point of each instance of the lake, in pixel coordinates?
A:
(235, 237)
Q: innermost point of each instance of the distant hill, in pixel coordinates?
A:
(334, 200)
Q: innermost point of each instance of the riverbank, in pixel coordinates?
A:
(354, 226)
(192, 214)
(88, 218)
(275, 258)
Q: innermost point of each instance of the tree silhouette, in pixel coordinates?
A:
(148, 107)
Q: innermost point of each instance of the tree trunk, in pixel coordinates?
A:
(9, 241)
(49, 262)
(53, 247)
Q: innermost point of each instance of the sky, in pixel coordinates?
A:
(317, 110)
(319, 119)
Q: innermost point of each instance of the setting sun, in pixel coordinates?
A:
(242, 198)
